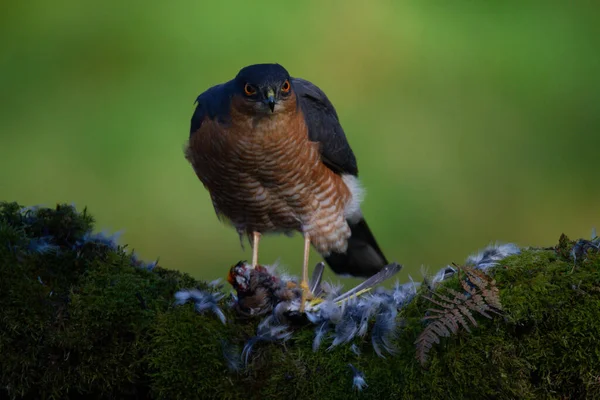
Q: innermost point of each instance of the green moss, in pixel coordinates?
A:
(76, 314)
(80, 319)
(187, 358)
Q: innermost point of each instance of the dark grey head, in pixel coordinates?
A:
(264, 85)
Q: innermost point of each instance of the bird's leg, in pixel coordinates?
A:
(255, 240)
(304, 284)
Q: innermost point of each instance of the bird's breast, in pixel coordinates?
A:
(265, 174)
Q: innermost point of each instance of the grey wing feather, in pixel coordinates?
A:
(386, 272)
(324, 127)
(317, 277)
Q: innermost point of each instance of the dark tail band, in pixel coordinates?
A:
(363, 258)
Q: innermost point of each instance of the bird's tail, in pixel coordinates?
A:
(363, 258)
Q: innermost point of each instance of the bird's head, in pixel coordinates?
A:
(239, 276)
(242, 274)
(265, 88)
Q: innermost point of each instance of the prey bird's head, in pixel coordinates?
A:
(264, 87)
(239, 276)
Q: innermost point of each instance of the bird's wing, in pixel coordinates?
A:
(324, 127)
(315, 282)
(386, 272)
(213, 103)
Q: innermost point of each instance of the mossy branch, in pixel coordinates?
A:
(81, 317)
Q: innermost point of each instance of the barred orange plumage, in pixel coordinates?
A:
(286, 186)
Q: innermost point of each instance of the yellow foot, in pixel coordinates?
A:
(306, 294)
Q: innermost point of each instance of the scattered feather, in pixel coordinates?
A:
(385, 273)
(248, 347)
(202, 300)
(326, 311)
(492, 255)
(269, 330)
(331, 289)
(358, 379)
(346, 329)
(101, 238)
(320, 333)
(354, 348)
(442, 275)
(29, 210)
(404, 293)
(136, 262)
(216, 284)
(231, 355)
(582, 247)
(29, 214)
(384, 329)
(315, 281)
(42, 245)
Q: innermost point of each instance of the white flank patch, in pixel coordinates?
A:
(357, 193)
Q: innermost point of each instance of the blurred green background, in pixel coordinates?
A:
(471, 122)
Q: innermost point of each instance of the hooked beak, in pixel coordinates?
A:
(270, 95)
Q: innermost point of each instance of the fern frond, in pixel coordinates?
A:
(448, 300)
(443, 303)
(467, 313)
(459, 317)
(480, 295)
(424, 343)
(486, 285)
(458, 295)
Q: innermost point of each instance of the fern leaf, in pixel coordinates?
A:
(486, 286)
(440, 329)
(442, 303)
(459, 318)
(424, 344)
(468, 287)
(480, 296)
(446, 301)
(434, 316)
(450, 322)
(477, 303)
(457, 295)
(467, 313)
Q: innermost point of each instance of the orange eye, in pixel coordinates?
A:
(249, 90)
(285, 87)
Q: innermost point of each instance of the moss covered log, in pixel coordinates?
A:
(81, 317)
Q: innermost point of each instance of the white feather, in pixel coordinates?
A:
(357, 194)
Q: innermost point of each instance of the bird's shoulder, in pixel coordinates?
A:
(213, 103)
(324, 127)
